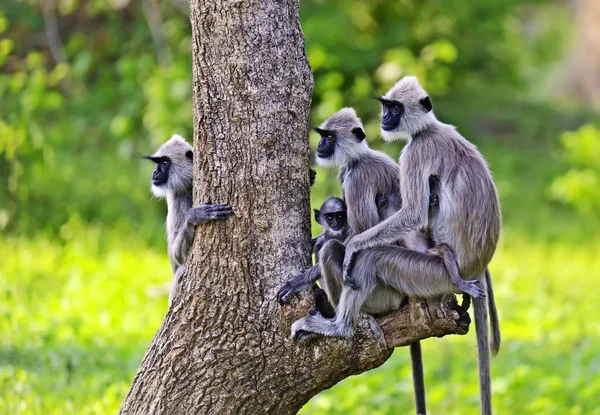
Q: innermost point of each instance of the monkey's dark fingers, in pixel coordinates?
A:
(283, 294)
(220, 214)
(303, 336)
(218, 208)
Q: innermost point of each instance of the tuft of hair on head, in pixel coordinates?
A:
(346, 118)
(417, 108)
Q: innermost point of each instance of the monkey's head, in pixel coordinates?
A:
(174, 167)
(342, 139)
(406, 110)
(332, 215)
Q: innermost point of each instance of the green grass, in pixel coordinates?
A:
(77, 313)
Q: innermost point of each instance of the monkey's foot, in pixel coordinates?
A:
(316, 324)
(471, 287)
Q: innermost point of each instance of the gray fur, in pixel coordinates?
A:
(467, 220)
(310, 276)
(182, 218)
(483, 353)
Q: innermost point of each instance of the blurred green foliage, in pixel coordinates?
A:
(84, 275)
(580, 185)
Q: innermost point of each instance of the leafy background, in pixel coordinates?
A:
(89, 86)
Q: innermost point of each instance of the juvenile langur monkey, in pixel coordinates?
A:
(172, 180)
(332, 217)
(371, 190)
(468, 221)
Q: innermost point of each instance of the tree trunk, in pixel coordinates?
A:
(225, 345)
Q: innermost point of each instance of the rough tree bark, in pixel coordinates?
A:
(225, 346)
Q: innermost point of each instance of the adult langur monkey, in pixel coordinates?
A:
(468, 221)
(172, 179)
(371, 190)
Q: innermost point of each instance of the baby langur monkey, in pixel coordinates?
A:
(332, 217)
(172, 179)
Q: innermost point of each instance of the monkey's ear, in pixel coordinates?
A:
(189, 154)
(317, 215)
(321, 132)
(359, 133)
(152, 158)
(426, 103)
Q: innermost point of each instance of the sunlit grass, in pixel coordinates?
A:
(75, 320)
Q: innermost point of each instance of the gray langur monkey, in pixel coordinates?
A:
(332, 217)
(172, 180)
(371, 189)
(468, 221)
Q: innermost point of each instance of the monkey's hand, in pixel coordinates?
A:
(349, 258)
(206, 212)
(292, 285)
(313, 176)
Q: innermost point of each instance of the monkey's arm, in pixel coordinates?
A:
(414, 187)
(185, 235)
(299, 282)
(317, 242)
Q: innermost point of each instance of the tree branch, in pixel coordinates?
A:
(375, 338)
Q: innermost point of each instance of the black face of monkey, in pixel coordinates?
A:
(336, 220)
(326, 146)
(392, 113)
(332, 220)
(161, 173)
(332, 214)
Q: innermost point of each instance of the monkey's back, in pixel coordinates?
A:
(375, 174)
(468, 218)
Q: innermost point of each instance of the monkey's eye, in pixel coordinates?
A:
(329, 139)
(329, 218)
(396, 109)
(164, 163)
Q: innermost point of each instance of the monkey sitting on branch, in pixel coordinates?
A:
(468, 221)
(332, 216)
(172, 180)
(370, 187)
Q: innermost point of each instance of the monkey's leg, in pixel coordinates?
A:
(174, 285)
(494, 322)
(483, 353)
(331, 262)
(410, 272)
(342, 325)
(299, 282)
(444, 252)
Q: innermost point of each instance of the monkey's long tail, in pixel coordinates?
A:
(494, 322)
(416, 359)
(483, 353)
